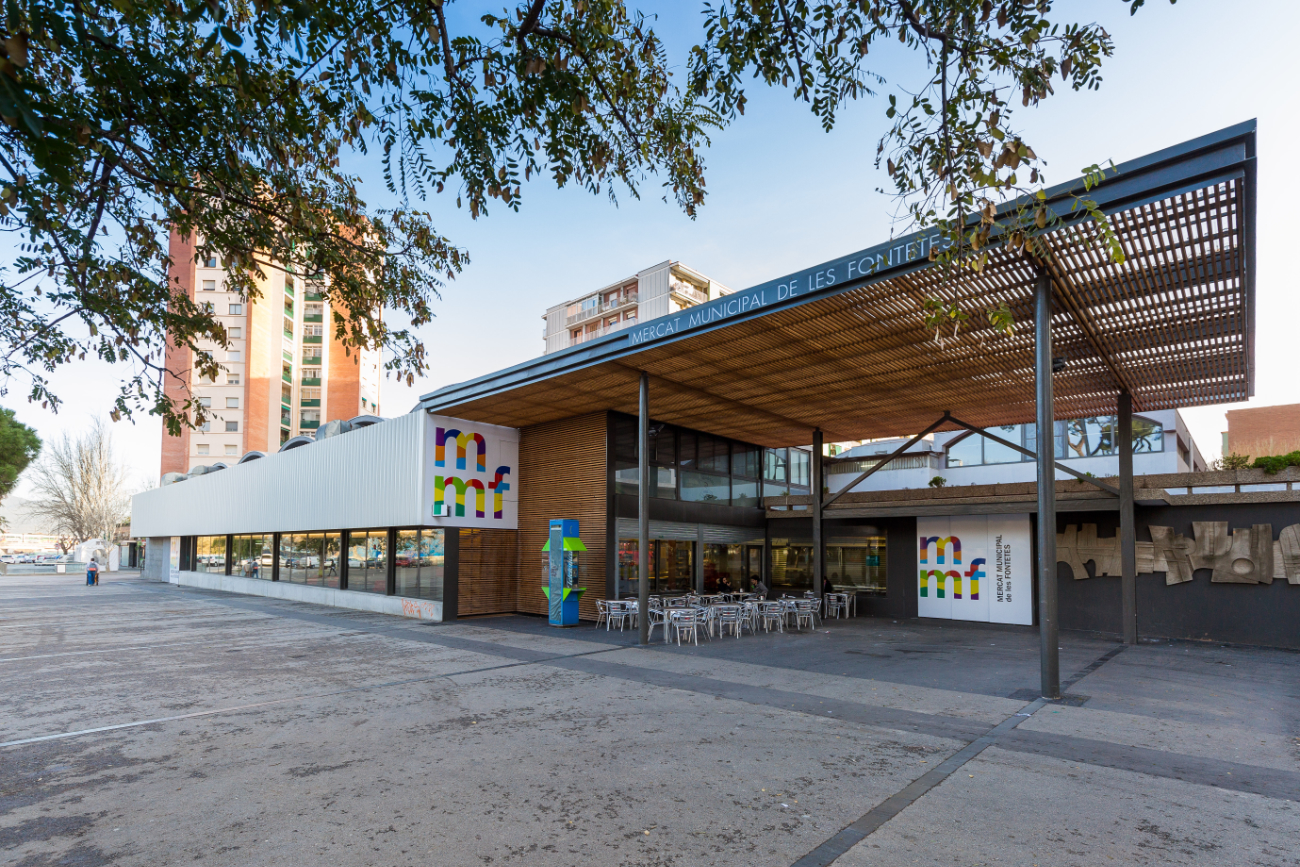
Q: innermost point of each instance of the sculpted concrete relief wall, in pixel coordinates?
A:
(1242, 556)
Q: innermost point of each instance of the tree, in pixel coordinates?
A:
(228, 119)
(80, 487)
(19, 444)
(951, 151)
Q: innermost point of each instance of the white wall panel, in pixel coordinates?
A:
(369, 477)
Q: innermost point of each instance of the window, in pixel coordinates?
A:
(205, 401)
(857, 565)
(201, 448)
(310, 417)
(205, 427)
(236, 309)
(311, 355)
(288, 327)
(311, 373)
(368, 561)
(313, 330)
(314, 308)
(232, 449)
(209, 285)
(210, 261)
(232, 403)
(1073, 438)
(418, 562)
(310, 558)
(234, 355)
(252, 556)
(232, 427)
(235, 333)
(776, 472)
(313, 393)
(232, 379)
(286, 393)
(210, 554)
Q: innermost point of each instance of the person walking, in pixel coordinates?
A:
(92, 573)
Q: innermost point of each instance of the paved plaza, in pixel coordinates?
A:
(144, 724)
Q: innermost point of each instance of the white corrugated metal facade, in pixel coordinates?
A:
(372, 477)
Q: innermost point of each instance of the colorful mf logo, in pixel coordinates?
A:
(463, 440)
(461, 486)
(942, 546)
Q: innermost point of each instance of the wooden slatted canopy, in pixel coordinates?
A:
(842, 346)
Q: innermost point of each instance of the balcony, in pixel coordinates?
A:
(309, 424)
(313, 317)
(687, 292)
(287, 377)
(588, 336)
(311, 381)
(602, 307)
(312, 338)
(309, 403)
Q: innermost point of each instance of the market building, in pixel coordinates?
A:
(679, 446)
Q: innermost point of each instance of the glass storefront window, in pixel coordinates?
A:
(210, 554)
(724, 569)
(857, 565)
(418, 561)
(791, 566)
(252, 556)
(310, 558)
(367, 561)
(671, 567)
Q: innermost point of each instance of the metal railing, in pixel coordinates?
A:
(600, 332)
(853, 466)
(601, 307)
(687, 291)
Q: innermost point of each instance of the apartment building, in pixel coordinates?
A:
(1161, 444)
(657, 291)
(283, 374)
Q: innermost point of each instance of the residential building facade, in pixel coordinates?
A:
(1263, 431)
(1161, 444)
(656, 291)
(282, 375)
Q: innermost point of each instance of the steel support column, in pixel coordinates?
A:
(819, 558)
(643, 511)
(1127, 527)
(1049, 659)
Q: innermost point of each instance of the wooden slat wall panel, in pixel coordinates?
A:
(488, 571)
(562, 475)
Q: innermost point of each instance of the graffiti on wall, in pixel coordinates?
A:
(1246, 555)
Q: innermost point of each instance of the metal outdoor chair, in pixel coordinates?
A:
(657, 617)
(804, 610)
(687, 622)
(602, 613)
(620, 612)
(835, 604)
(772, 614)
(728, 617)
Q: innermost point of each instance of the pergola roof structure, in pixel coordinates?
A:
(842, 346)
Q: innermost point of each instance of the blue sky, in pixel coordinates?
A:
(783, 195)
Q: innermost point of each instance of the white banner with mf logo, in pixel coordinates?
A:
(976, 567)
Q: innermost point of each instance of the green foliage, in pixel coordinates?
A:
(19, 446)
(228, 119)
(952, 154)
(938, 482)
(1276, 463)
(1233, 461)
